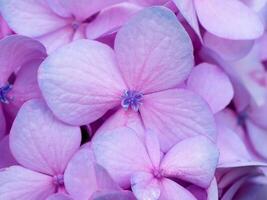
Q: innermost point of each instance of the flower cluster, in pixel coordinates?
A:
(133, 99)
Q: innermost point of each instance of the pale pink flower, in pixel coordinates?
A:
(148, 171)
(153, 55)
(43, 146)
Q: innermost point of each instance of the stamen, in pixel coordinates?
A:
(4, 93)
(58, 180)
(132, 99)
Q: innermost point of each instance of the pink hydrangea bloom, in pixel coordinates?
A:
(153, 55)
(150, 173)
(43, 146)
(59, 22)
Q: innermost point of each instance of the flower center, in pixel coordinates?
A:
(158, 174)
(4, 93)
(58, 180)
(131, 99)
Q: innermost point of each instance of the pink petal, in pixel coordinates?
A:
(149, 2)
(145, 186)
(177, 114)
(122, 153)
(124, 118)
(229, 19)
(229, 50)
(258, 114)
(153, 147)
(2, 124)
(16, 51)
(6, 157)
(25, 87)
(114, 195)
(20, 183)
(82, 10)
(172, 190)
(187, 9)
(212, 191)
(22, 15)
(212, 84)
(83, 176)
(59, 196)
(80, 82)
(110, 19)
(258, 137)
(233, 146)
(154, 51)
(194, 160)
(40, 142)
(256, 5)
(56, 39)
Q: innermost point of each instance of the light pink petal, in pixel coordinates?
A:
(177, 114)
(56, 39)
(124, 118)
(16, 51)
(229, 50)
(4, 29)
(59, 196)
(24, 88)
(172, 190)
(83, 176)
(122, 153)
(23, 15)
(187, 9)
(194, 160)
(258, 137)
(212, 191)
(114, 195)
(146, 3)
(256, 5)
(145, 186)
(258, 114)
(154, 51)
(212, 84)
(6, 159)
(229, 19)
(110, 20)
(82, 10)
(41, 142)
(2, 123)
(20, 183)
(80, 82)
(263, 44)
(153, 147)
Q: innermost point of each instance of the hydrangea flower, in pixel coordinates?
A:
(150, 173)
(153, 55)
(43, 146)
(58, 22)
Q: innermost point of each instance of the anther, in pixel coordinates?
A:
(132, 99)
